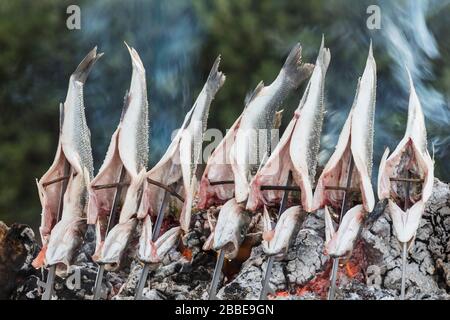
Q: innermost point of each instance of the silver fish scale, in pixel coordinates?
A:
(82, 136)
(369, 147)
(142, 148)
(314, 138)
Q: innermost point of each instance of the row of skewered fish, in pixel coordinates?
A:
(243, 174)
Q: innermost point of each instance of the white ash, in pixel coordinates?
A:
(184, 275)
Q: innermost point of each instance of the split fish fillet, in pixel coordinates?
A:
(355, 141)
(128, 150)
(60, 239)
(410, 158)
(178, 168)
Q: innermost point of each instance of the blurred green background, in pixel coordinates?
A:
(178, 42)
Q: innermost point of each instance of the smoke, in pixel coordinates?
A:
(410, 44)
(405, 36)
(167, 38)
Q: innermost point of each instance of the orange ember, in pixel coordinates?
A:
(279, 294)
(187, 253)
(352, 269)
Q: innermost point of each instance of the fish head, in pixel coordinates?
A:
(410, 159)
(154, 251)
(339, 243)
(116, 243)
(407, 222)
(65, 239)
(231, 228)
(277, 241)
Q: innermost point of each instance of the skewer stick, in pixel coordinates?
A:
(406, 179)
(167, 188)
(216, 183)
(271, 259)
(109, 186)
(283, 188)
(52, 269)
(216, 275)
(334, 270)
(46, 184)
(404, 244)
(155, 235)
(49, 284)
(111, 223)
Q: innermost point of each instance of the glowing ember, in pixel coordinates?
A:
(283, 294)
(352, 269)
(187, 253)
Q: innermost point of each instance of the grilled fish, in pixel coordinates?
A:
(178, 165)
(356, 141)
(219, 168)
(410, 159)
(61, 238)
(128, 150)
(258, 118)
(298, 147)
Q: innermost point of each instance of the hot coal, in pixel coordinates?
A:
(372, 272)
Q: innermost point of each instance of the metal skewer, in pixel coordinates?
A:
(216, 183)
(155, 235)
(52, 269)
(168, 189)
(216, 275)
(111, 223)
(404, 244)
(334, 270)
(271, 259)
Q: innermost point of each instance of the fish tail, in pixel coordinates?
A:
(295, 70)
(324, 57)
(216, 78)
(85, 66)
(135, 59)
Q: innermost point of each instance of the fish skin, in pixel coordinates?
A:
(414, 145)
(128, 148)
(73, 145)
(355, 140)
(75, 136)
(339, 243)
(175, 166)
(133, 138)
(300, 157)
(192, 139)
(231, 227)
(278, 239)
(259, 115)
(363, 129)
